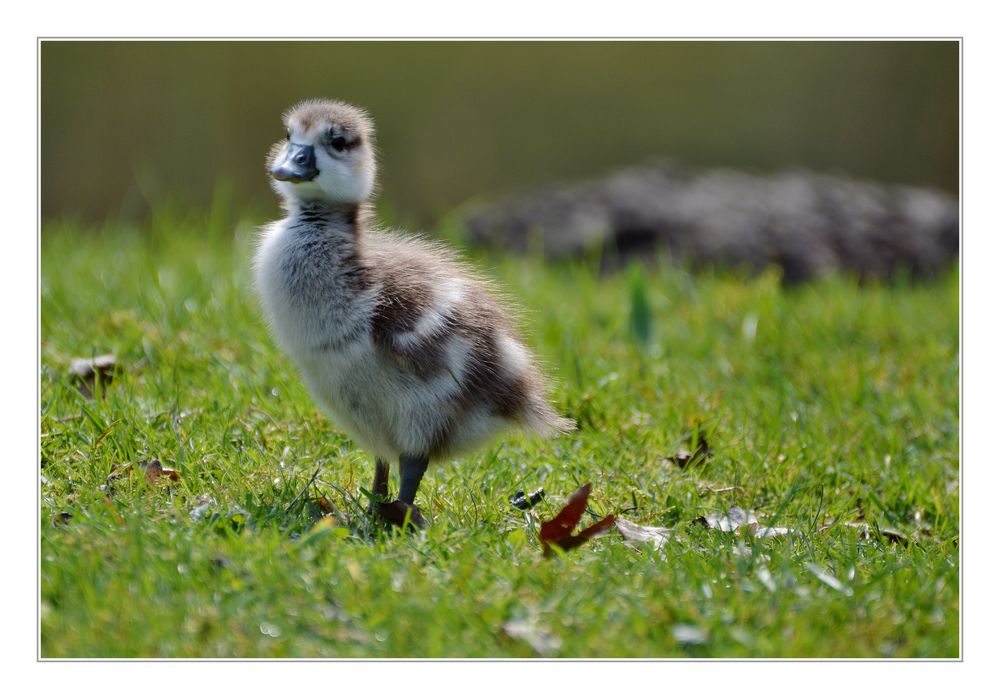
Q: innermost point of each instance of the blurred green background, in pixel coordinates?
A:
(128, 126)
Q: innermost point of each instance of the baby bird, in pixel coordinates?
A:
(404, 347)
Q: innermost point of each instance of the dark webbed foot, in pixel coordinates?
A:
(401, 511)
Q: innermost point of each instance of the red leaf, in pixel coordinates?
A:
(573, 540)
(154, 470)
(568, 517)
(559, 531)
(324, 506)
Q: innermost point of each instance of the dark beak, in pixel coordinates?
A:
(298, 165)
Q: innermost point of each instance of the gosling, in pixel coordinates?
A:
(403, 345)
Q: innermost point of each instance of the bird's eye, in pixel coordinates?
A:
(339, 143)
(288, 135)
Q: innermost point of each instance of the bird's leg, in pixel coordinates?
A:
(380, 487)
(411, 471)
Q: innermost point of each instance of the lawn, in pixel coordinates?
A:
(830, 409)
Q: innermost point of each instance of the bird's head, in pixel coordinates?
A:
(328, 154)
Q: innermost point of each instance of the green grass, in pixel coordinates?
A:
(823, 405)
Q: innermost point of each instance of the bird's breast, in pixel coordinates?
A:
(310, 294)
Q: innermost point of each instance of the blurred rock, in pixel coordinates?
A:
(808, 224)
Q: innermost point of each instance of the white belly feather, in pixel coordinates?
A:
(382, 407)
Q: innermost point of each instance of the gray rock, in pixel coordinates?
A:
(808, 224)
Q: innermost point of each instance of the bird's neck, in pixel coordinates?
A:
(324, 248)
(346, 218)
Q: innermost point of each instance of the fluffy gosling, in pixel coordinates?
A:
(403, 345)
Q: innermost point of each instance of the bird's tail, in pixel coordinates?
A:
(546, 422)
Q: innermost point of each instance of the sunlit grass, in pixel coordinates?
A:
(823, 405)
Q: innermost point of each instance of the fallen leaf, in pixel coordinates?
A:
(732, 520)
(567, 519)
(685, 457)
(203, 504)
(737, 519)
(526, 502)
(829, 580)
(558, 531)
(88, 373)
(151, 470)
(769, 532)
(689, 635)
(324, 505)
(632, 532)
(531, 632)
(270, 630)
(893, 536)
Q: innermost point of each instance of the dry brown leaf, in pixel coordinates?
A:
(558, 531)
(685, 457)
(324, 505)
(152, 471)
